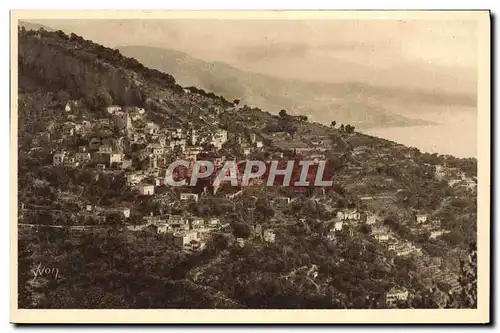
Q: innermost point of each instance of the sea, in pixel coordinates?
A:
(454, 133)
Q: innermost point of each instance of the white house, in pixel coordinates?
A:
(219, 138)
(112, 109)
(219, 161)
(82, 157)
(349, 215)
(338, 225)
(58, 159)
(94, 143)
(281, 200)
(196, 222)
(313, 271)
(193, 137)
(181, 239)
(181, 143)
(396, 294)
(421, 218)
(392, 246)
(133, 109)
(152, 128)
(380, 235)
(371, 219)
(115, 158)
(146, 189)
(154, 148)
(191, 153)
(437, 233)
(189, 196)
(122, 121)
(222, 135)
(163, 228)
(213, 221)
(470, 184)
(269, 236)
(126, 212)
(70, 161)
(105, 148)
(404, 250)
(70, 105)
(174, 132)
(173, 219)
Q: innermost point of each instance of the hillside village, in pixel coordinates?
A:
(97, 165)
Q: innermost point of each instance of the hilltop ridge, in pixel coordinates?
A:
(97, 132)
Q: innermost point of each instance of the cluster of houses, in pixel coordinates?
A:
(267, 235)
(432, 226)
(125, 140)
(352, 217)
(384, 235)
(184, 232)
(122, 211)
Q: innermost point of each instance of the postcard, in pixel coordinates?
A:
(250, 167)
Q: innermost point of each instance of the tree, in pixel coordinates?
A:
(263, 208)
(333, 123)
(61, 34)
(103, 99)
(218, 243)
(114, 219)
(63, 96)
(283, 114)
(342, 128)
(236, 102)
(242, 230)
(366, 229)
(468, 279)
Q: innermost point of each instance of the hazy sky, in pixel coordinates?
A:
(437, 55)
(434, 55)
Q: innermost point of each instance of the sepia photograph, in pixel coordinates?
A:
(250, 167)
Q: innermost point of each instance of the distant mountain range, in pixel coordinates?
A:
(359, 104)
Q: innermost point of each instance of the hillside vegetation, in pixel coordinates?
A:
(307, 265)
